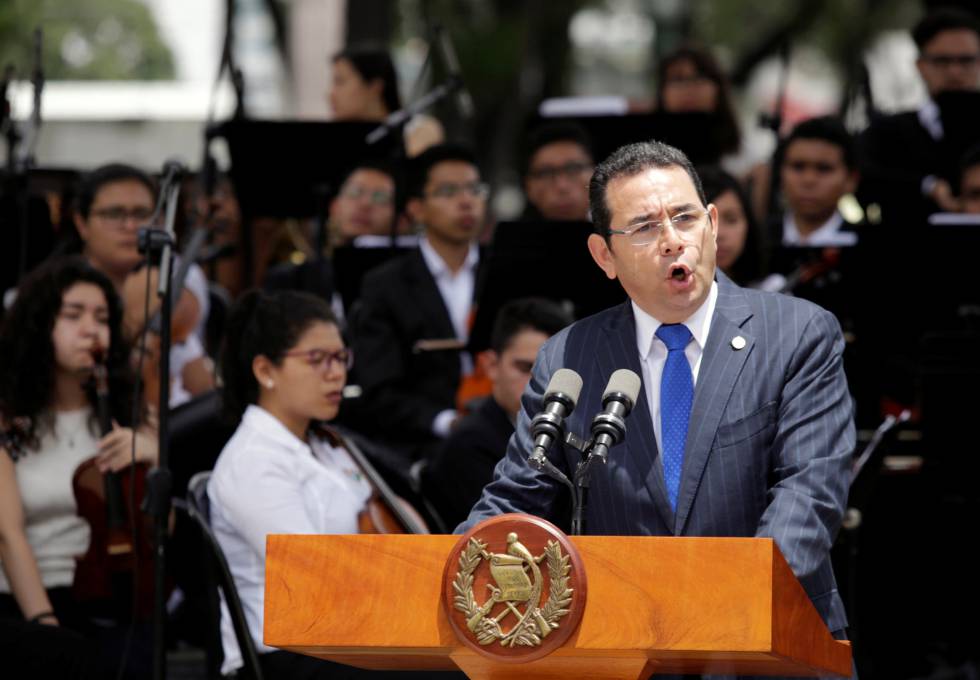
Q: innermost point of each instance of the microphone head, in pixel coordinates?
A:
(566, 381)
(623, 381)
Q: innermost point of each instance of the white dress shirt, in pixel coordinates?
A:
(653, 352)
(828, 235)
(456, 289)
(267, 481)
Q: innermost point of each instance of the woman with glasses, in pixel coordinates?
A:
(284, 366)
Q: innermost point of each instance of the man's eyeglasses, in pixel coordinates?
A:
(646, 233)
(378, 197)
(552, 172)
(117, 214)
(321, 358)
(947, 60)
(474, 189)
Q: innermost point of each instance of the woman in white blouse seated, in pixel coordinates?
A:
(284, 365)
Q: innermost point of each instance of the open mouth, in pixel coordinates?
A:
(678, 272)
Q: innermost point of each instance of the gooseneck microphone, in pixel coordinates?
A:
(609, 426)
(548, 426)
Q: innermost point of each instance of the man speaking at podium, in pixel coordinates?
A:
(743, 425)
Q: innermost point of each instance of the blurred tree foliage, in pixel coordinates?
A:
(84, 40)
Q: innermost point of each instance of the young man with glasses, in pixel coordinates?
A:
(556, 180)
(907, 166)
(743, 422)
(414, 319)
(114, 201)
(364, 213)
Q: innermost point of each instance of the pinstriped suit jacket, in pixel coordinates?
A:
(768, 448)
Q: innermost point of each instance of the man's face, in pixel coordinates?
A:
(814, 178)
(110, 230)
(557, 182)
(510, 371)
(970, 190)
(951, 61)
(365, 204)
(669, 277)
(453, 204)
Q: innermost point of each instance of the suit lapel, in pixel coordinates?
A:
(643, 459)
(424, 293)
(721, 364)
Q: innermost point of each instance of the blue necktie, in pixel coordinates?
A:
(676, 395)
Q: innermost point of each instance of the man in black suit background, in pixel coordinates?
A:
(908, 165)
(455, 477)
(413, 322)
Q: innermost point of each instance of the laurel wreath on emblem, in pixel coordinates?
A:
(535, 623)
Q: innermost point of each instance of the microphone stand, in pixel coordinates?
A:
(158, 482)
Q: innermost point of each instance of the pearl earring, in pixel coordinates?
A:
(270, 384)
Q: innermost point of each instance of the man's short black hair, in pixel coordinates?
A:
(943, 19)
(537, 314)
(556, 131)
(422, 164)
(828, 129)
(93, 182)
(628, 161)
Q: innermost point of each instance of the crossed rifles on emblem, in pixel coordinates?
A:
(510, 571)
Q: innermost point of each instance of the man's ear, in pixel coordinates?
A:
(713, 220)
(491, 364)
(415, 210)
(853, 177)
(602, 255)
(81, 225)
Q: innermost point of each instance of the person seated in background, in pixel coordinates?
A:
(905, 165)
(739, 242)
(812, 245)
(556, 179)
(114, 201)
(690, 80)
(455, 477)
(284, 366)
(414, 318)
(364, 87)
(364, 214)
(66, 312)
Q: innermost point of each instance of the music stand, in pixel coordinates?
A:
(541, 259)
(292, 168)
(692, 133)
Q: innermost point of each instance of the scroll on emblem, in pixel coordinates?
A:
(514, 588)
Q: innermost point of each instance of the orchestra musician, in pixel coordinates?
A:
(284, 366)
(65, 312)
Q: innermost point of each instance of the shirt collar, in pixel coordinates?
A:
(828, 234)
(437, 266)
(698, 323)
(930, 119)
(261, 420)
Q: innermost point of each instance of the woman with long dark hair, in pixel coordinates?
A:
(66, 312)
(284, 367)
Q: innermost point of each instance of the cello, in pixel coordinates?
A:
(117, 567)
(385, 511)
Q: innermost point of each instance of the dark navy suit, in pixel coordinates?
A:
(768, 449)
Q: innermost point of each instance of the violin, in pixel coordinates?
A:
(118, 565)
(385, 512)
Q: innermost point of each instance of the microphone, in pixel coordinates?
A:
(609, 426)
(549, 425)
(464, 102)
(173, 170)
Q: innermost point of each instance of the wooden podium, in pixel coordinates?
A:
(654, 605)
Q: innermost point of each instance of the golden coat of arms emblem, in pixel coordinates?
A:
(512, 599)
